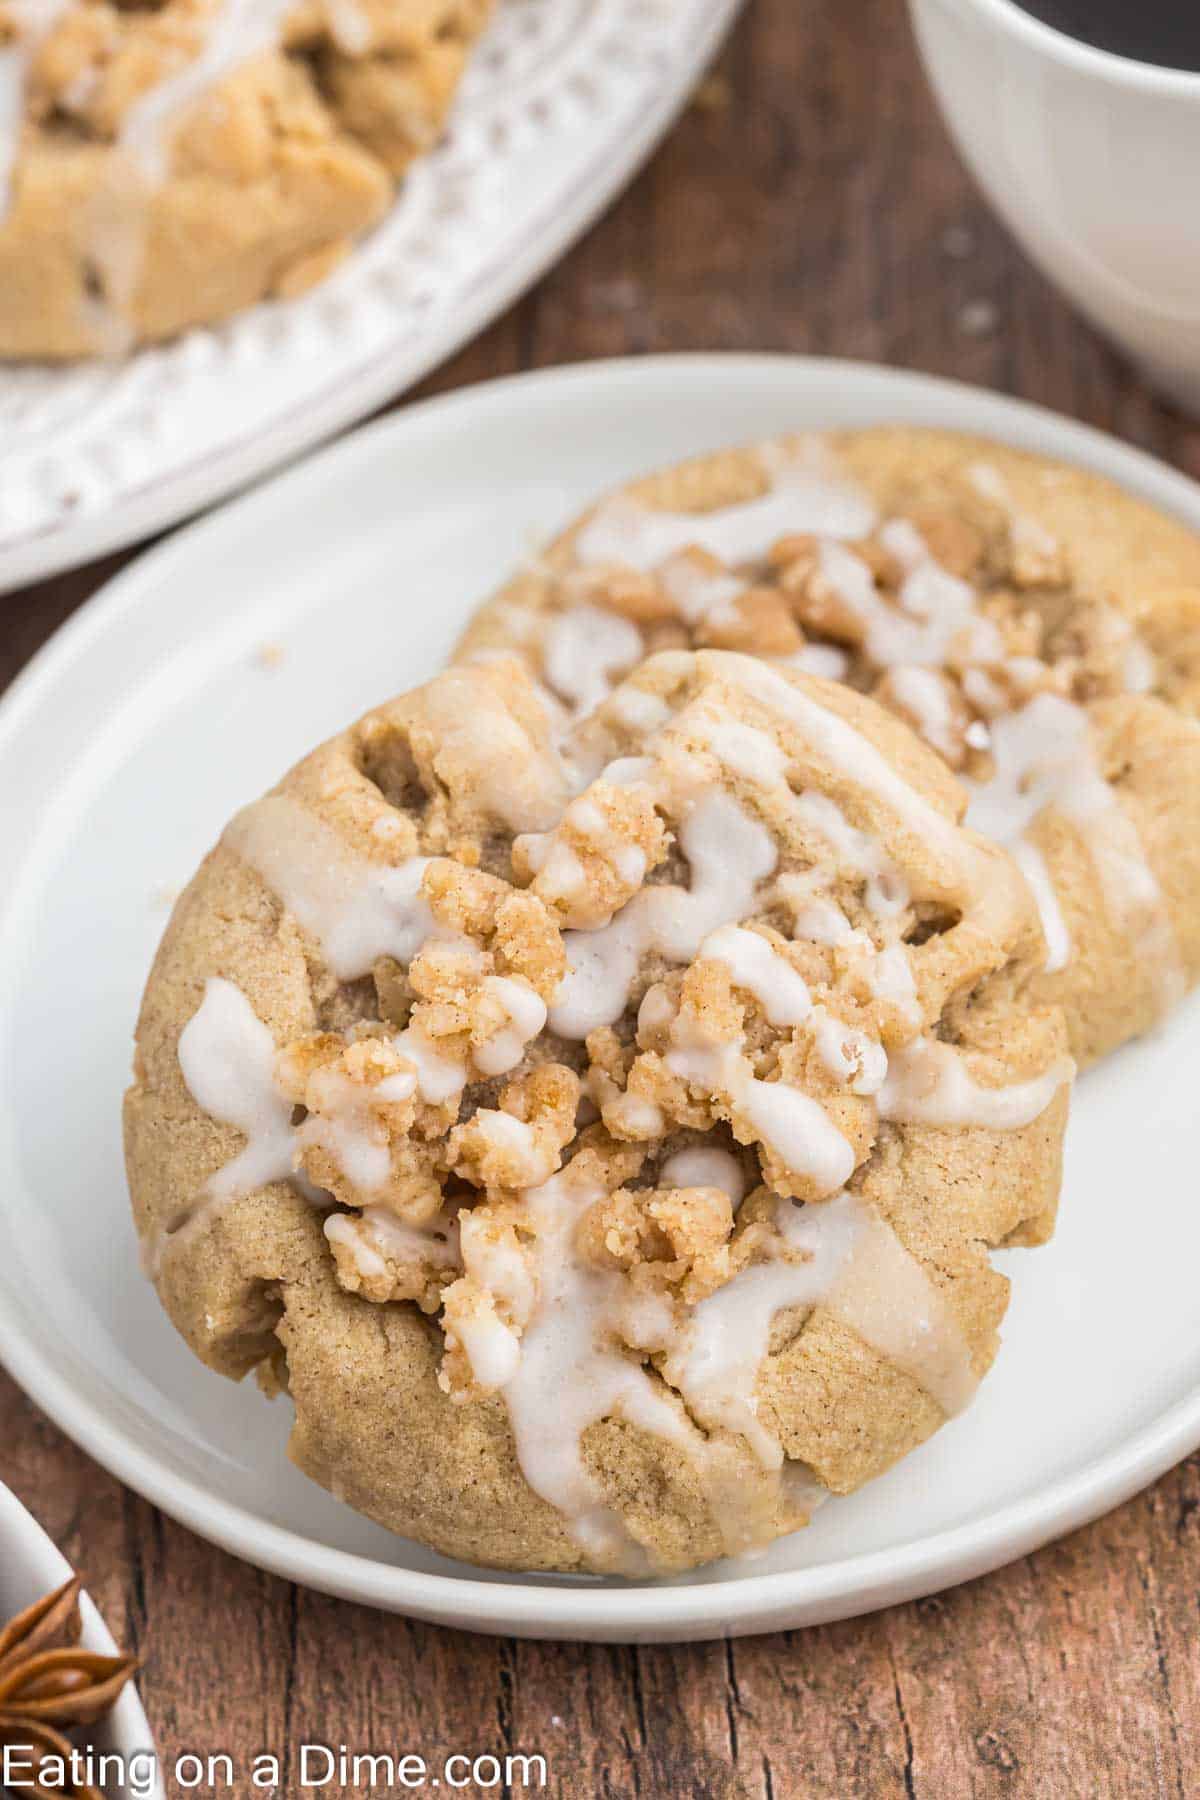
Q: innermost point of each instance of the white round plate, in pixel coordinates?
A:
(190, 684)
(30, 1566)
(561, 103)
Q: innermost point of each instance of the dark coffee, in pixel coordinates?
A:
(1166, 32)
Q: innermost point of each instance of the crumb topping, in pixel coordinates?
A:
(964, 619)
(631, 1031)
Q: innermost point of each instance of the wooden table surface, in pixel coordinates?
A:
(808, 201)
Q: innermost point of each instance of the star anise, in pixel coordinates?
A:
(49, 1684)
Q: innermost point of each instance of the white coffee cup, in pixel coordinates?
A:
(1092, 160)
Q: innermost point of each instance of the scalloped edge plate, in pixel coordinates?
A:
(542, 138)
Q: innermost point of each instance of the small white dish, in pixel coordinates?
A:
(30, 1566)
(562, 101)
(188, 685)
(1092, 160)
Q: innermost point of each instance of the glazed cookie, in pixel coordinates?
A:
(1039, 627)
(164, 163)
(602, 1145)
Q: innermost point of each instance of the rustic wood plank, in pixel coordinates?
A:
(811, 204)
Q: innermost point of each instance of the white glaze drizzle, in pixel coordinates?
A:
(890, 977)
(112, 232)
(885, 891)
(567, 1371)
(1055, 929)
(936, 615)
(934, 609)
(800, 498)
(746, 751)
(641, 711)
(229, 1062)
(343, 1124)
(227, 1059)
(851, 1263)
(515, 775)
(704, 1166)
(1043, 757)
(636, 1116)
(850, 754)
(238, 31)
(566, 1378)
(567, 1368)
(828, 661)
(526, 1014)
(721, 1348)
(377, 1235)
(585, 650)
(1027, 532)
(439, 1078)
(357, 910)
(112, 229)
(922, 695)
(696, 593)
(756, 965)
(33, 20)
(729, 853)
(815, 916)
(884, 1295)
(850, 1055)
(784, 1118)
(928, 1083)
(797, 1128)
(350, 26)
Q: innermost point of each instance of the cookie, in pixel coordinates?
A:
(1038, 626)
(601, 1143)
(164, 166)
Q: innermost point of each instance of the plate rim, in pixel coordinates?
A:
(201, 482)
(739, 1604)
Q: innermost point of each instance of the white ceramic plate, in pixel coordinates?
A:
(190, 684)
(562, 101)
(30, 1566)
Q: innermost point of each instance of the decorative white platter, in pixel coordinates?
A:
(187, 686)
(562, 102)
(31, 1566)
